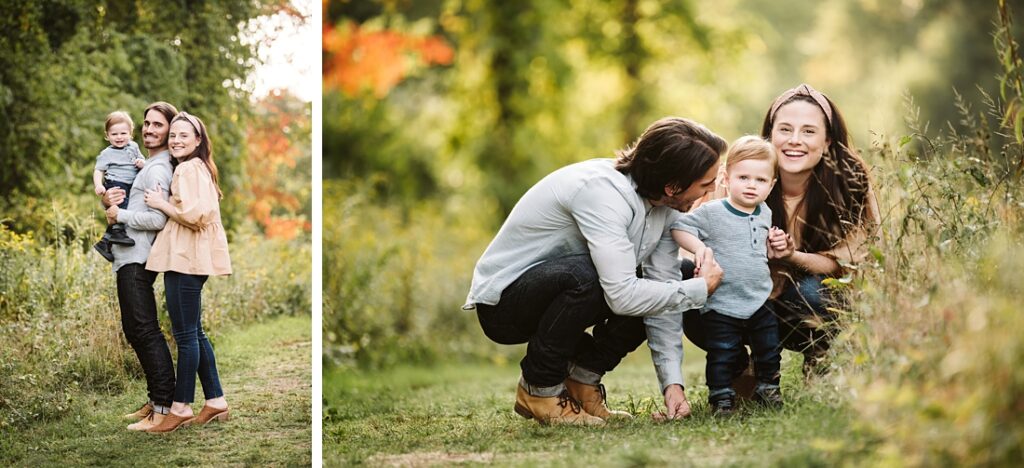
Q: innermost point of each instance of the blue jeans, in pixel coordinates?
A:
(195, 354)
(725, 339)
(803, 299)
(550, 307)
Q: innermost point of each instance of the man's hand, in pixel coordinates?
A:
(676, 406)
(113, 196)
(700, 257)
(112, 214)
(711, 272)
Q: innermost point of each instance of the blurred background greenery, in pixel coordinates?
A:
(65, 64)
(439, 114)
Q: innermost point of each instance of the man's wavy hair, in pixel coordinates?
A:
(672, 152)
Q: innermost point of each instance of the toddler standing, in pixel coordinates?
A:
(736, 230)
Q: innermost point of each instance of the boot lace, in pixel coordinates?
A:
(604, 395)
(564, 399)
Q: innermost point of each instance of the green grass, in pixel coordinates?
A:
(265, 372)
(462, 413)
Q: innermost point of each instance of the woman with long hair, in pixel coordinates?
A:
(827, 217)
(192, 247)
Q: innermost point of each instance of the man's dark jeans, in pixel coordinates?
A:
(550, 307)
(140, 325)
(725, 339)
(798, 309)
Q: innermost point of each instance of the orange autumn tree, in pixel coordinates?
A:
(357, 58)
(278, 167)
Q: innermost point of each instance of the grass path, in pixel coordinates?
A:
(462, 413)
(266, 373)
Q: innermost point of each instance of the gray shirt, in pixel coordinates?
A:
(142, 223)
(118, 164)
(590, 207)
(738, 240)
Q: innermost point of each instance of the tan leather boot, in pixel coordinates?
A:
(593, 399)
(152, 420)
(744, 383)
(140, 413)
(561, 409)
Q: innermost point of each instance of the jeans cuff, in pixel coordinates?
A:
(541, 391)
(583, 376)
(161, 409)
(762, 386)
(719, 393)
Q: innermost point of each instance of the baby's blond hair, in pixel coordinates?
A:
(751, 147)
(117, 117)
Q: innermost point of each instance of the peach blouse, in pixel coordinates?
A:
(197, 245)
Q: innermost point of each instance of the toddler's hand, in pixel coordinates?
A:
(139, 163)
(100, 190)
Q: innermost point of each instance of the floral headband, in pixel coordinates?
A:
(804, 90)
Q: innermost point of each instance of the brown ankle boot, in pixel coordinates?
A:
(145, 424)
(561, 409)
(140, 413)
(593, 398)
(744, 383)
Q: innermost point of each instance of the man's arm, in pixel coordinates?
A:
(149, 219)
(603, 217)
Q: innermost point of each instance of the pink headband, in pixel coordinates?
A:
(803, 90)
(192, 120)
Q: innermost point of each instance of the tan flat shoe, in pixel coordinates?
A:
(208, 414)
(140, 413)
(171, 423)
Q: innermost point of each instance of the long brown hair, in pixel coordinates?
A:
(205, 149)
(836, 200)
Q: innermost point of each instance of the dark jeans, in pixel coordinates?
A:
(725, 338)
(550, 307)
(195, 354)
(141, 328)
(108, 184)
(804, 323)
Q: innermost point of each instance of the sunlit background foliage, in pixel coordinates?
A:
(439, 114)
(65, 64)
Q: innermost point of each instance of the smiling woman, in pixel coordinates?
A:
(191, 247)
(827, 215)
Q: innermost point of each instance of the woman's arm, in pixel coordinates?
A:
(192, 207)
(155, 200)
(782, 248)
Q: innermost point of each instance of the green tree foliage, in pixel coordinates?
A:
(65, 64)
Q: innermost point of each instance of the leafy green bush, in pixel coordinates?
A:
(395, 279)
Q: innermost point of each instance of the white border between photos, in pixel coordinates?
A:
(317, 300)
